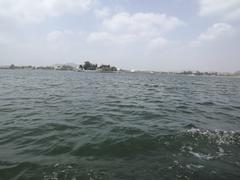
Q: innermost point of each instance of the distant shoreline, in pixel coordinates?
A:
(74, 69)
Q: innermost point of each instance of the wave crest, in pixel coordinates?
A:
(217, 136)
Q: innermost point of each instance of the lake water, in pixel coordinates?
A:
(92, 126)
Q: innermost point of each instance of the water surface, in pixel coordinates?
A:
(91, 126)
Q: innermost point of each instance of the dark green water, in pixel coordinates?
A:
(92, 126)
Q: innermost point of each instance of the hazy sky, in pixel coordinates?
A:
(165, 35)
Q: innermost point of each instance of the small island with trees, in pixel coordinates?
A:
(87, 66)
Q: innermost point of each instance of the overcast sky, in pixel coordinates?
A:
(163, 35)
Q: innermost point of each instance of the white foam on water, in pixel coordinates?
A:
(202, 156)
(221, 152)
(217, 136)
(194, 166)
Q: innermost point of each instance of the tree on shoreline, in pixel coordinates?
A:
(89, 66)
(12, 66)
(107, 68)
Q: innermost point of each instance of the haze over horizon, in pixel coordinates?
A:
(150, 35)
